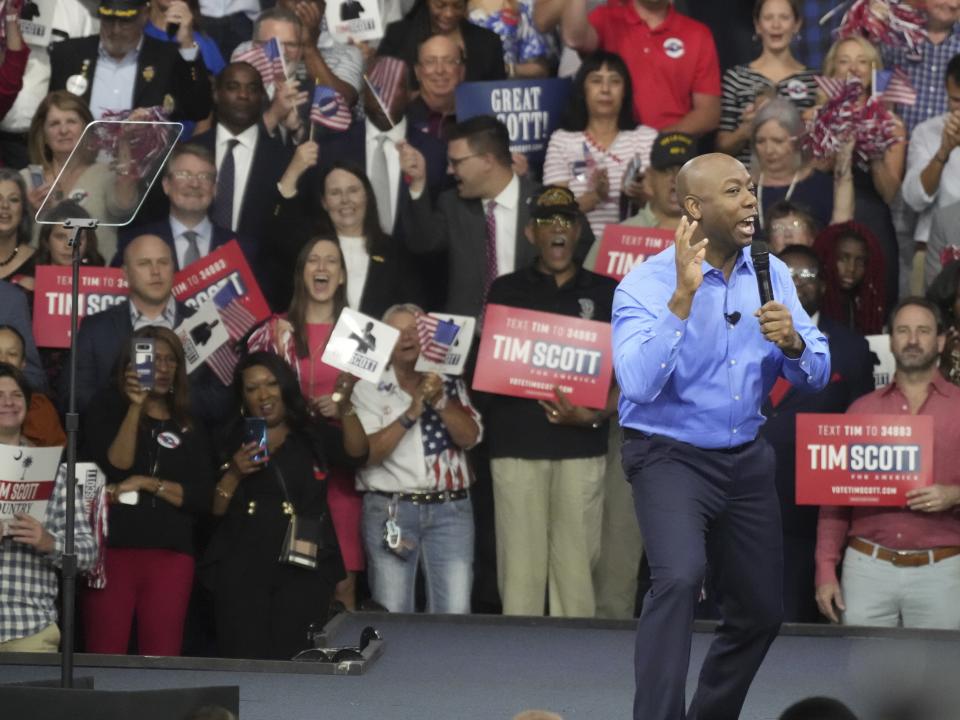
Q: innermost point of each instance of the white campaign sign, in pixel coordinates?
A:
(360, 345)
(27, 476)
(202, 334)
(354, 20)
(456, 358)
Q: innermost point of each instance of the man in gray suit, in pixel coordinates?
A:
(480, 224)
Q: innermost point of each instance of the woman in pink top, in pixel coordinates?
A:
(300, 336)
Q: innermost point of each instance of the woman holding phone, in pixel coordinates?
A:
(263, 603)
(159, 481)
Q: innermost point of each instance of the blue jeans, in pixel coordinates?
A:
(440, 536)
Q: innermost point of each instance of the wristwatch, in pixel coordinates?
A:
(406, 422)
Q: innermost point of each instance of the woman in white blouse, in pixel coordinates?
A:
(598, 141)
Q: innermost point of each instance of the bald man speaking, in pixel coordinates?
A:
(695, 355)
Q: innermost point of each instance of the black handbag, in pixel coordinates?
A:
(307, 538)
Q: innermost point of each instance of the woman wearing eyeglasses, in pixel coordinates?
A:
(598, 141)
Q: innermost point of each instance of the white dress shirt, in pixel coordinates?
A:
(924, 144)
(242, 160)
(113, 82)
(225, 8)
(204, 231)
(167, 318)
(508, 202)
(357, 260)
(394, 135)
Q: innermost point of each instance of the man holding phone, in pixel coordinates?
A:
(148, 269)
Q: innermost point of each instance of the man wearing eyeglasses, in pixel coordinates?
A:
(548, 457)
(480, 224)
(439, 70)
(851, 376)
(188, 183)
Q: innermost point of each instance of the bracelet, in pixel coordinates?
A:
(223, 493)
(406, 422)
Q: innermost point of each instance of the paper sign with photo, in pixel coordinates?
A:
(431, 329)
(883, 363)
(360, 345)
(201, 334)
(27, 476)
(355, 20)
(90, 479)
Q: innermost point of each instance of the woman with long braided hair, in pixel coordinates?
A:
(853, 268)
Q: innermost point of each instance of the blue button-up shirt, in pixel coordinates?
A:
(702, 380)
(927, 69)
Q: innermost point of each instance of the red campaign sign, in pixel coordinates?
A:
(624, 246)
(200, 281)
(524, 353)
(100, 288)
(862, 460)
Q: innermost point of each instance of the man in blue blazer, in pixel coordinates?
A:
(188, 182)
(851, 375)
(148, 268)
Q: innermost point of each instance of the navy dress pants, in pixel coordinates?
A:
(698, 507)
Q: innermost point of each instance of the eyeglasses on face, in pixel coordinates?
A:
(187, 176)
(564, 222)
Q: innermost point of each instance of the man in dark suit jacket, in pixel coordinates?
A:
(244, 201)
(188, 181)
(851, 376)
(488, 196)
(96, 67)
(148, 266)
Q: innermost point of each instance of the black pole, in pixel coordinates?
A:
(69, 559)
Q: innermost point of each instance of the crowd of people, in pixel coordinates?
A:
(416, 492)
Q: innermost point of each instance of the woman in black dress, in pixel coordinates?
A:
(263, 605)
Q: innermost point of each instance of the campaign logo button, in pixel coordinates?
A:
(797, 90)
(168, 440)
(673, 47)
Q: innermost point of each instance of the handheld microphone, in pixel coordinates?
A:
(172, 30)
(760, 255)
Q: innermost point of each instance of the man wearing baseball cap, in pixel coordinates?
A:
(548, 456)
(122, 69)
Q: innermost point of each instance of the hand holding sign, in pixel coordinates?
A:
(933, 498)
(27, 530)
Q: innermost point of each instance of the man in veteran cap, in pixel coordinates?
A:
(122, 69)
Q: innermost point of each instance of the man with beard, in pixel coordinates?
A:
(901, 566)
(695, 355)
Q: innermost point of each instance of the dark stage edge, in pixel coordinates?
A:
(484, 667)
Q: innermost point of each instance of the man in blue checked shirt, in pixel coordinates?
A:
(695, 356)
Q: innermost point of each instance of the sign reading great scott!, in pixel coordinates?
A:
(862, 459)
(530, 109)
(524, 353)
(624, 246)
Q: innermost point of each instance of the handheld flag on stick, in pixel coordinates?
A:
(330, 109)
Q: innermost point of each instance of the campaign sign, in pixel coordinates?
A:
(624, 246)
(354, 20)
(201, 334)
(456, 357)
(100, 288)
(524, 353)
(860, 459)
(200, 281)
(27, 476)
(884, 364)
(530, 109)
(360, 345)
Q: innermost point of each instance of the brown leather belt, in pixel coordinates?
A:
(903, 558)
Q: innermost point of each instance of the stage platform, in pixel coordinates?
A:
(491, 667)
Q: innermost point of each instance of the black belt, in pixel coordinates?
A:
(634, 434)
(429, 498)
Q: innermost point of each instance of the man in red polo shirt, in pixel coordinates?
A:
(672, 59)
(902, 565)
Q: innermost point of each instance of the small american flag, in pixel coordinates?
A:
(237, 321)
(330, 109)
(267, 58)
(436, 337)
(894, 86)
(831, 86)
(385, 78)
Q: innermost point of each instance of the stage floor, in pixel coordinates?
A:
(490, 668)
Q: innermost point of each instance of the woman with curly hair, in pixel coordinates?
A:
(853, 268)
(945, 292)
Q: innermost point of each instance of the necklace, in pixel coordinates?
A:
(793, 185)
(9, 259)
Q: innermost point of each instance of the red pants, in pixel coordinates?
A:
(155, 586)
